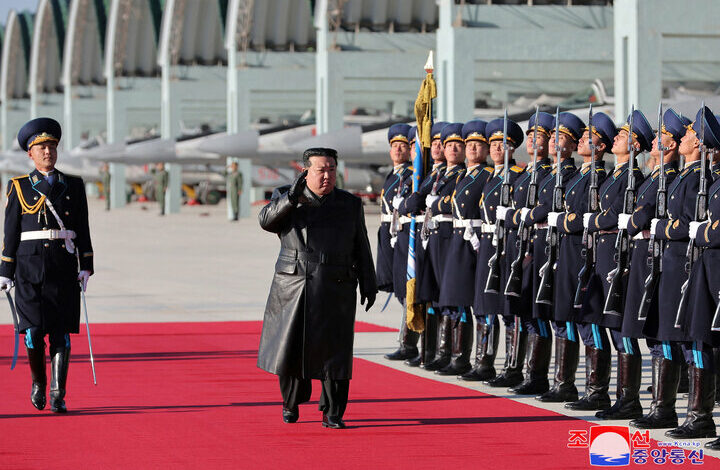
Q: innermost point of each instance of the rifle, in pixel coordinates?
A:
(589, 239)
(492, 286)
(693, 251)
(514, 284)
(615, 300)
(545, 293)
(656, 247)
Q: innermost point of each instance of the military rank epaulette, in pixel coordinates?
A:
(545, 166)
(516, 169)
(25, 207)
(671, 170)
(488, 169)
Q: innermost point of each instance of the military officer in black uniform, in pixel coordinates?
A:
(436, 235)
(535, 329)
(704, 280)
(682, 195)
(489, 306)
(48, 254)
(570, 227)
(413, 205)
(592, 323)
(457, 283)
(637, 224)
(402, 172)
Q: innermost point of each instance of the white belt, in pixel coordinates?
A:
(385, 218)
(465, 223)
(487, 228)
(402, 220)
(541, 225)
(442, 218)
(47, 235)
(644, 235)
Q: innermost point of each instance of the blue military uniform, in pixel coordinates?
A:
(569, 260)
(457, 282)
(46, 242)
(693, 331)
(436, 236)
(487, 306)
(393, 181)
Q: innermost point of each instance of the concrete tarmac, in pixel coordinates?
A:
(196, 266)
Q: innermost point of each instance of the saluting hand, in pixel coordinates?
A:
(297, 187)
(367, 301)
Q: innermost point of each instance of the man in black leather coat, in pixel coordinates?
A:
(310, 313)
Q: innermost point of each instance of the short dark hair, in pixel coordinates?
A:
(319, 152)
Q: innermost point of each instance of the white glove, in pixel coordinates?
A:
(83, 277)
(397, 200)
(653, 226)
(695, 227)
(611, 275)
(524, 214)
(6, 283)
(552, 218)
(475, 242)
(501, 212)
(586, 219)
(430, 199)
(623, 220)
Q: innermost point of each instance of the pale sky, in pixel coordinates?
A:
(7, 5)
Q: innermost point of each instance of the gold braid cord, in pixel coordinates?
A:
(423, 109)
(415, 312)
(26, 208)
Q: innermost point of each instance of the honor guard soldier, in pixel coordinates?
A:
(570, 228)
(46, 243)
(703, 318)
(591, 322)
(413, 205)
(402, 171)
(488, 306)
(535, 328)
(637, 224)
(683, 196)
(457, 283)
(435, 236)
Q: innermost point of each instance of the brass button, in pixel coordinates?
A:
(46, 245)
(462, 204)
(467, 191)
(35, 198)
(67, 213)
(572, 192)
(63, 245)
(67, 197)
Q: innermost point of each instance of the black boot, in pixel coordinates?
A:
(511, 375)
(665, 376)
(538, 364)
(699, 422)
(627, 405)
(428, 340)
(36, 358)
(408, 343)
(485, 352)
(566, 362)
(461, 348)
(444, 351)
(59, 361)
(684, 385)
(597, 373)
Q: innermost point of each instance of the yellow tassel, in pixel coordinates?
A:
(415, 312)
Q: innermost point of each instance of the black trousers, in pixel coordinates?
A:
(333, 399)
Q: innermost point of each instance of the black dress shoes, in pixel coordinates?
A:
(290, 416)
(332, 422)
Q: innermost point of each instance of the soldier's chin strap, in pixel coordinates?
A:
(69, 243)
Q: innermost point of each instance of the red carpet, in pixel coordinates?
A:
(188, 395)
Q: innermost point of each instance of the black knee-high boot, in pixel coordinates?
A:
(36, 358)
(485, 353)
(60, 361)
(512, 373)
(665, 376)
(597, 373)
(627, 405)
(699, 422)
(538, 365)
(408, 343)
(444, 347)
(566, 363)
(461, 348)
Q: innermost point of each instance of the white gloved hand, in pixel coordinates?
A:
(430, 199)
(501, 212)
(475, 242)
(397, 200)
(695, 227)
(524, 214)
(653, 226)
(552, 218)
(83, 277)
(5, 283)
(611, 275)
(623, 220)
(586, 219)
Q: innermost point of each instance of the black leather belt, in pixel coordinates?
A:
(317, 257)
